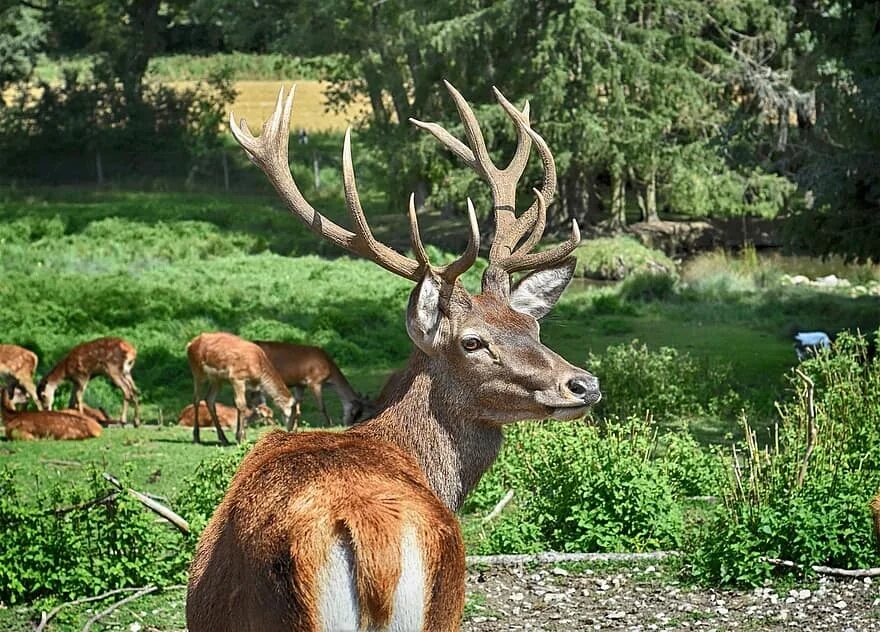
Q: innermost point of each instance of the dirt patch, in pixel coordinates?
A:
(557, 598)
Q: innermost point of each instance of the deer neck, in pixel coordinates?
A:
(453, 447)
(271, 384)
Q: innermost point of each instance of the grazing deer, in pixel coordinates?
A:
(306, 366)
(46, 424)
(226, 414)
(325, 531)
(18, 365)
(113, 357)
(215, 358)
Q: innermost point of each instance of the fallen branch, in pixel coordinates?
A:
(86, 505)
(825, 570)
(155, 506)
(140, 593)
(499, 507)
(46, 617)
(553, 558)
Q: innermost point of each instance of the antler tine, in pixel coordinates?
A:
(537, 227)
(523, 260)
(530, 218)
(269, 152)
(369, 247)
(451, 271)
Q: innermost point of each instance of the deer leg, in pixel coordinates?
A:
(133, 392)
(319, 397)
(76, 397)
(121, 383)
(238, 391)
(211, 401)
(197, 399)
(27, 382)
(293, 421)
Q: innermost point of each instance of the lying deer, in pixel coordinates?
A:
(306, 366)
(215, 358)
(17, 366)
(355, 530)
(113, 357)
(44, 424)
(227, 415)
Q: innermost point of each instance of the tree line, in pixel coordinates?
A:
(655, 109)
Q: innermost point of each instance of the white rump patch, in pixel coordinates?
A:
(409, 596)
(338, 603)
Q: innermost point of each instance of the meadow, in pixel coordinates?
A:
(682, 358)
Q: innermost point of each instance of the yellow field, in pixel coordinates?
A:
(256, 99)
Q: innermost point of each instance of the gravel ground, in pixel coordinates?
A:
(647, 598)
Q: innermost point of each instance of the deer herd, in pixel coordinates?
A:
(355, 530)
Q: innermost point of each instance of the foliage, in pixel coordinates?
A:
(801, 499)
(648, 286)
(585, 488)
(22, 36)
(50, 547)
(615, 258)
(203, 490)
(667, 383)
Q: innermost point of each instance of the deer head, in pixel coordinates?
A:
(482, 353)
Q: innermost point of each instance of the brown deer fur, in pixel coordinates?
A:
(215, 358)
(18, 365)
(322, 531)
(98, 414)
(46, 424)
(226, 414)
(113, 357)
(307, 366)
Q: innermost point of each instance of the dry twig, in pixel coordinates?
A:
(825, 570)
(155, 506)
(812, 428)
(499, 507)
(553, 558)
(46, 617)
(146, 590)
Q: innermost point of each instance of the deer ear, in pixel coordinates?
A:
(537, 293)
(424, 316)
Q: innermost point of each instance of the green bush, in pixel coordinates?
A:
(668, 383)
(582, 488)
(615, 258)
(53, 545)
(812, 509)
(203, 490)
(648, 286)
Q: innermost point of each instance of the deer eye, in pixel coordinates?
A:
(472, 343)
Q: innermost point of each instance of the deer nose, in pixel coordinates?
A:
(585, 388)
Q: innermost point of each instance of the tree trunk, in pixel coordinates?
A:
(618, 200)
(650, 210)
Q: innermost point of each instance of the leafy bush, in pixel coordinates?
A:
(582, 488)
(615, 258)
(203, 490)
(692, 469)
(804, 499)
(648, 286)
(54, 544)
(668, 383)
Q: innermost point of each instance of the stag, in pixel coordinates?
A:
(355, 530)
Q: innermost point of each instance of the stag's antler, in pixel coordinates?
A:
(269, 151)
(504, 256)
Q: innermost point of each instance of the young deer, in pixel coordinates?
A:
(221, 357)
(44, 424)
(306, 366)
(17, 366)
(113, 357)
(227, 415)
(354, 530)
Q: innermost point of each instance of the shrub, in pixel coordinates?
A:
(668, 383)
(582, 488)
(802, 499)
(54, 544)
(203, 490)
(648, 286)
(615, 258)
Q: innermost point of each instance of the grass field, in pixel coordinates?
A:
(159, 268)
